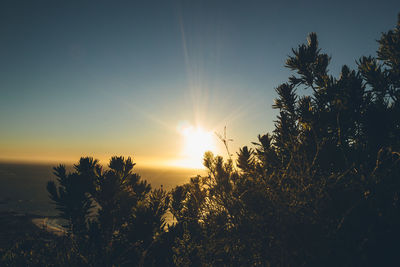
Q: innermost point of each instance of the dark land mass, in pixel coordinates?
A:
(16, 227)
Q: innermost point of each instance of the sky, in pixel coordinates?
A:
(142, 78)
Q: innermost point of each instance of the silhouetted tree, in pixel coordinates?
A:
(322, 189)
(113, 215)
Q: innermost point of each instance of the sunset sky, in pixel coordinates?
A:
(156, 79)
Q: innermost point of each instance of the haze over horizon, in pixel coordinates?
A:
(155, 80)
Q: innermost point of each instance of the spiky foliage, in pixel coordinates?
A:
(322, 189)
(114, 215)
(72, 195)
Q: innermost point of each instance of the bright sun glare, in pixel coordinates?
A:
(196, 141)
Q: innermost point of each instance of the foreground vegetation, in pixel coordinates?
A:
(321, 190)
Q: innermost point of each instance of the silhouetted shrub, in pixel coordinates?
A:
(114, 217)
(322, 189)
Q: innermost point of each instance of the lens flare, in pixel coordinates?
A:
(196, 141)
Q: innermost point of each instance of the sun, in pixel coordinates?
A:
(196, 141)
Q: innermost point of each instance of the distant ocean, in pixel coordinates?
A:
(23, 186)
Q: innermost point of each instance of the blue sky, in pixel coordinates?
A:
(117, 77)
